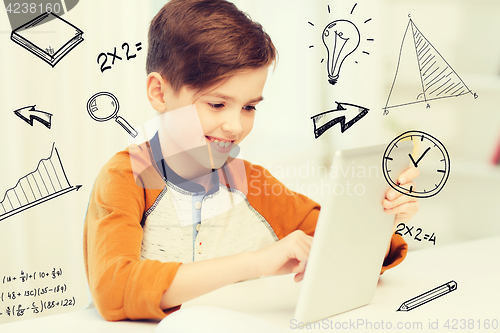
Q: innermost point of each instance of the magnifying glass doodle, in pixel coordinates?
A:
(103, 106)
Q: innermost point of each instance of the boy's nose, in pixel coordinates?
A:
(232, 123)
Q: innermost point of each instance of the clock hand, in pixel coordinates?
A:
(425, 152)
(413, 161)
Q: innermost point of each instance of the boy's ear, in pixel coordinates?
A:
(157, 91)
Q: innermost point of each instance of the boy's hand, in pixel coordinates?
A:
(288, 255)
(403, 206)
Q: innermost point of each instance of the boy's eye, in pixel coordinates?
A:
(249, 108)
(216, 105)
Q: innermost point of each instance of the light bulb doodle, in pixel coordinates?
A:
(341, 38)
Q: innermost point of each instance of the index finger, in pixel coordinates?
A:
(407, 176)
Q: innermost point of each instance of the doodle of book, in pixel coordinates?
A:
(47, 182)
(48, 36)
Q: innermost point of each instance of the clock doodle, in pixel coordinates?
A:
(430, 155)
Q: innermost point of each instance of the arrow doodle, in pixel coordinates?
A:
(318, 131)
(28, 114)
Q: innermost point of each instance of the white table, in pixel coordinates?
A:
(475, 266)
(82, 321)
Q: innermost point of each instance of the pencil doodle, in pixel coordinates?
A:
(29, 114)
(341, 38)
(435, 76)
(47, 182)
(50, 47)
(320, 129)
(428, 296)
(103, 106)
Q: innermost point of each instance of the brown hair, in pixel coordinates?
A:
(200, 42)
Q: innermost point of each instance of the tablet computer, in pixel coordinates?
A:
(352, 235)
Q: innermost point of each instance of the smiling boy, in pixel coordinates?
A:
(165, 223)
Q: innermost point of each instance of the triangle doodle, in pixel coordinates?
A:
(419, 60)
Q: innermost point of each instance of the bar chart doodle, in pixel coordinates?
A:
(47, 182)
(421, 61)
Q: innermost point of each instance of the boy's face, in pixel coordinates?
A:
(226, 111)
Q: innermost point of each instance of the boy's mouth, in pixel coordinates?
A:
(221, 145)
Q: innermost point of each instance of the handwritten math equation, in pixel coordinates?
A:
(403, 230)
(35, 292)
(20, 297)
(37, 307)
(113, 56)
(25, 276)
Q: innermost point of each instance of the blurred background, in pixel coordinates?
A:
(463, 31)
(464, 34)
